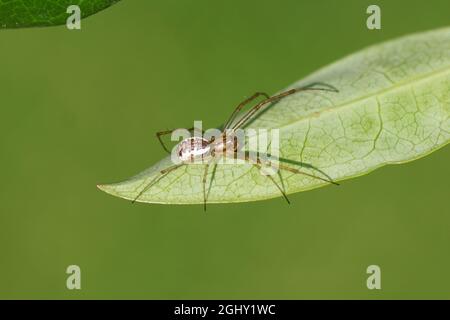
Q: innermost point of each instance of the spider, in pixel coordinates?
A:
(195, 148)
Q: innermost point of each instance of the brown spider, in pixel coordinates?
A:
(197, 148)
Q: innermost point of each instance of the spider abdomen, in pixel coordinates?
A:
(193, 148)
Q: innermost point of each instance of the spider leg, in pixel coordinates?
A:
(275, 183)
(281, 180)
(162, 133)
(296, 171)
(213, 174)
(257, 107)
(241, 105)
(162, 173)
(205, 174)
(287, 168)
(257, 164)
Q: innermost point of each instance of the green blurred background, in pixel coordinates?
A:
(82, 107)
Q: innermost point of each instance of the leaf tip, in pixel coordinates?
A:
(105, 188)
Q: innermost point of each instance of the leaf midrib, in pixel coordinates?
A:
(402, 84)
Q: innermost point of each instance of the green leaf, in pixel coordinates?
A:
(393, 107)
(43, 13)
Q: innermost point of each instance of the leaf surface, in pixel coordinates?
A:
(393, 107)
(42, 13)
